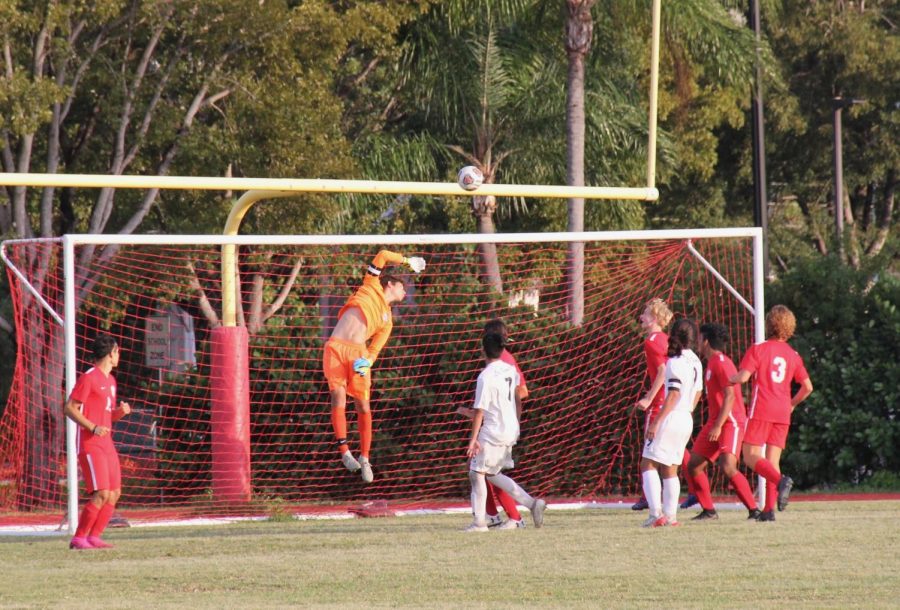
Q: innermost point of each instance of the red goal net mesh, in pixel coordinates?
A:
(580, 435)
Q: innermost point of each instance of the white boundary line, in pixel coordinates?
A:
(57, 530)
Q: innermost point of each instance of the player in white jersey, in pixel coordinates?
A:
(495, 429)
(669, 433)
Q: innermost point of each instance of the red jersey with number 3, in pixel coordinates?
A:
(718, 370)
(96, 392)
(774, 365)
(656, 347)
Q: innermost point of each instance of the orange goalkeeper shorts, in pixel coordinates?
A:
(337, 363)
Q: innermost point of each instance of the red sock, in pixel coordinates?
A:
(741, 487)
(339, 423)
(103, 517)
(491, 504)
(771, 494)
(508, 504)
(365, 433)
(684, 468)
(765, 468)
(701, 490)
(88, 518)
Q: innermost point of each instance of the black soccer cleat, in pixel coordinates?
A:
(784, 491)
(768, 515)
(640, 505)
(706, 515)
(754, 514)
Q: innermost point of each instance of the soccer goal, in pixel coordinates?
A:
(160, 297)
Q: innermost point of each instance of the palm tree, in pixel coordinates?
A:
(579, 34)
(485, 85)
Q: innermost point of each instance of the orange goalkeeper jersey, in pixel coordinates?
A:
(371, 302)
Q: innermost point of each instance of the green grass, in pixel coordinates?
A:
(817, 555)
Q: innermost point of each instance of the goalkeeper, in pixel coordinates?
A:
(347, 360)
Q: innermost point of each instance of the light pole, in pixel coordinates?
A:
(837, 105)
(760, 199)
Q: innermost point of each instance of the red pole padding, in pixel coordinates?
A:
(230, 418)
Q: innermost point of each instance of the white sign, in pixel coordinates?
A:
(156, 341)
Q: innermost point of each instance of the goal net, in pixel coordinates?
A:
(161, 298)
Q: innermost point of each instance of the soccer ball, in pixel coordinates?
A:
(470, 178)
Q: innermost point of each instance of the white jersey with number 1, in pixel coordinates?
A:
(495, 395)
(684, 373)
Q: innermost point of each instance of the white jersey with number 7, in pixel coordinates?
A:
(495, 395)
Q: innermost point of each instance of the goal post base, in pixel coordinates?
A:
(230, 415)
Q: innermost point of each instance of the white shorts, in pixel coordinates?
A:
(667, 447)
(492, 459)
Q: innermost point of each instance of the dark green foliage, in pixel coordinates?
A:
(848, 330)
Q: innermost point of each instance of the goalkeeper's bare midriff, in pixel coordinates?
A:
(351, 326)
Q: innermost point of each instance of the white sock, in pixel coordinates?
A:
(479, 496)
(652, 491)
(512, 488)
(671, 490)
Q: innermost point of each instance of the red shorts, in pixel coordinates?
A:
(766, 433)
(100, 468)
(729, 441)
(337, 363)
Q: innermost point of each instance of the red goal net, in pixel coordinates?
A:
(580, 435)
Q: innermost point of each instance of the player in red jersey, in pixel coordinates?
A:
(773, 364)
(496, 495)
(347, 359)
(655, 317)
(720, 438)
(92, 405)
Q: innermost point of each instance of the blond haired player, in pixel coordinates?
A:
(495, 429)
(347, 360)
(773, 364)
(669, 433)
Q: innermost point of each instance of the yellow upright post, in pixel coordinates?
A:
(654, 87)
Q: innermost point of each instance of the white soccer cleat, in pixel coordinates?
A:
(537, 512)
(494, 521)
(475, 527)
(349, 461)
(366, 469)
(511, 524)
(651, 521)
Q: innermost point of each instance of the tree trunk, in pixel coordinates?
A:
(483, 208)
(579, 33)
(885, 220)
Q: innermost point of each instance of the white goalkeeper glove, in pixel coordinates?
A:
(361, 366)
(416, 263)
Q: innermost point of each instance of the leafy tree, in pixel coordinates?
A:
(486, 86)
(144, 87)
(848, 430)
(832, 49)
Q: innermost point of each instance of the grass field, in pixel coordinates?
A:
(816, 555)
